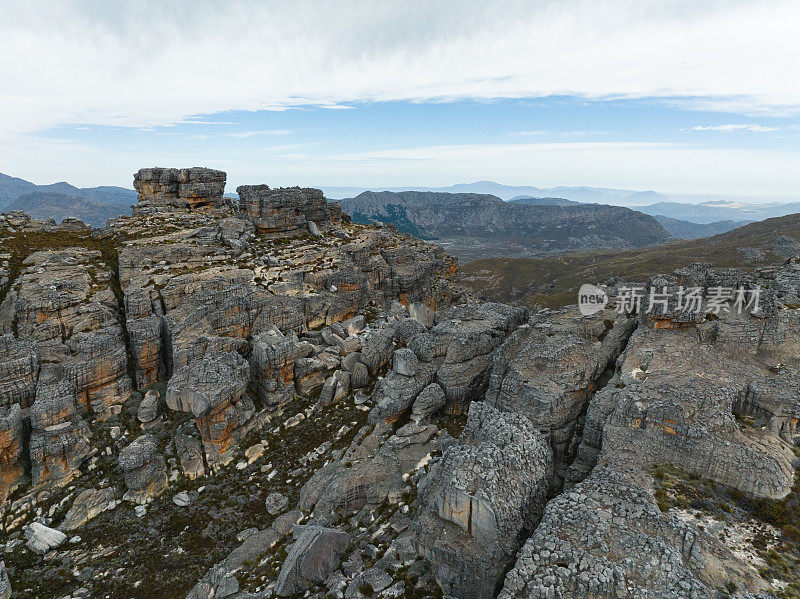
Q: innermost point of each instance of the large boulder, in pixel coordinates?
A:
(315, 553)
(41, 539)
(144, 469)
(487, 491)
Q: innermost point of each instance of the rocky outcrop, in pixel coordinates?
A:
(287, 210)
(272, 365)
(58, 305)
(59, 438)
(19, 368)
(680, 383)
(315, 553)
(213, 390)
(144, 470)
(487, 491)
(614, 541)
(455, 353)
(549, 368)
(170, 189)
(11, 449)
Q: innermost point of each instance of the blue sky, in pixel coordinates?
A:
(664, 95)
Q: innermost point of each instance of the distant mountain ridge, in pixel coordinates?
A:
(703, 209)
(93, 205)
(472, 226)
(682, 229)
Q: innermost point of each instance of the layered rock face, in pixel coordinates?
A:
(11, 446)
(607, 538)
(680, 384)
(63, 303)
(170, 189)
(549, 368)
(213, 389)
(287, 210)
(488, 489)
(60, 438)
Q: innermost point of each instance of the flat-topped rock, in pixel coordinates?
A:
(287, 210)
(170, 189)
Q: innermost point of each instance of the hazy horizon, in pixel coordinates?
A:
(677, 97)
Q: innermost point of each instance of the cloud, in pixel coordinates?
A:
(244, 134)
(153, 63)
(733, 127)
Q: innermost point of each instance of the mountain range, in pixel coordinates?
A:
(93, 205)
(472, 226)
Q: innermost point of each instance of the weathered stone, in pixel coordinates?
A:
(42, 539)
(87, 505)
(273, 367)
(149, 408)
(213, 389)
(286, 211)
(19, 365)
(59, 438)
(11, 449)
(487, 490)
(144, 469)
(429, 401)
(276, 503)
(314, 555)
(170, 189)
(405, 362)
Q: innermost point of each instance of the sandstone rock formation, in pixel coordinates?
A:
(488, 490)
(170, 189)
(314, 555)
(144, 469)
(213, 389)
(287, 210)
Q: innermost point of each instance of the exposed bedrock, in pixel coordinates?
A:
(455, 353)
(170, 189)
(287, 210)
(676, 392)
(59, 438)
(549, 368)
(482, 499)
(606, 537)
(213, 390)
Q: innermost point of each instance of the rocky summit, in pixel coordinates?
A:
(254, 397)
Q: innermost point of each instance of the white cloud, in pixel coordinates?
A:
(152, 63)
(734, 127)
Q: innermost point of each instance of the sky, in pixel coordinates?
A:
(672, 95)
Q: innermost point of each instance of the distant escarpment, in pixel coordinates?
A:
(473, 226)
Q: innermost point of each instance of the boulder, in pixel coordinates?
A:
(144, 469)
(428, 402)
(276, 503)
(315, 553)
(41, 539)
(87, 505)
